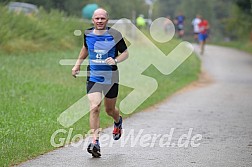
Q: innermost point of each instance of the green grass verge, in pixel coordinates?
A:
(44, 31)
(241, 45)
(35, 89)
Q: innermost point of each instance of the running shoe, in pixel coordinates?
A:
(117, 132)
(94, 149)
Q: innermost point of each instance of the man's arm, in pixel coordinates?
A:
(83, 55)
(120, 46)
(123, 56)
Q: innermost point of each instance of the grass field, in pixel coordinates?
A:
(35, 89)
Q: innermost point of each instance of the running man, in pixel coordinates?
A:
(179, 22)
(102, 44)
(195, 24)
(203, 34)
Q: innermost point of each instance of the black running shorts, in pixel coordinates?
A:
(109, 91)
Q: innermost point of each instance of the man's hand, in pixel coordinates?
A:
(75, 70)
(110, 61)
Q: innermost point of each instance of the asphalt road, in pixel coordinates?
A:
(207, 124)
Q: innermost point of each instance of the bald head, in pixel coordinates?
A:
(100, 12)
(100, 19)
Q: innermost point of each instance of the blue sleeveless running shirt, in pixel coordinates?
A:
(99, 48)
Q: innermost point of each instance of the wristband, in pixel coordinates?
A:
(116, 61)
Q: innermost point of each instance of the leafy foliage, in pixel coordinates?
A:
(239, 25)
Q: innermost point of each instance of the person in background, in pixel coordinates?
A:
(179, 21)
(195, 24)
(168, 25)
(203, 34)
(140, 22)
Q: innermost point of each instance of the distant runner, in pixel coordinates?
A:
(179, 22)
(140, 22)
(195, 24)
(203, 35)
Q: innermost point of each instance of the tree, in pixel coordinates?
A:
(240, 24)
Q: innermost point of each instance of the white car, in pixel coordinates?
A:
(26, 8)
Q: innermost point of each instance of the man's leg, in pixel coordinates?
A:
(110, 108)
(196, 37)
(201, 47)
(201, 42)
(114, 113)
(111, 92)
(110, 102)
(94, 119)
(182, 33)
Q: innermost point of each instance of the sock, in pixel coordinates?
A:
(118, 123)
(96, 141)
